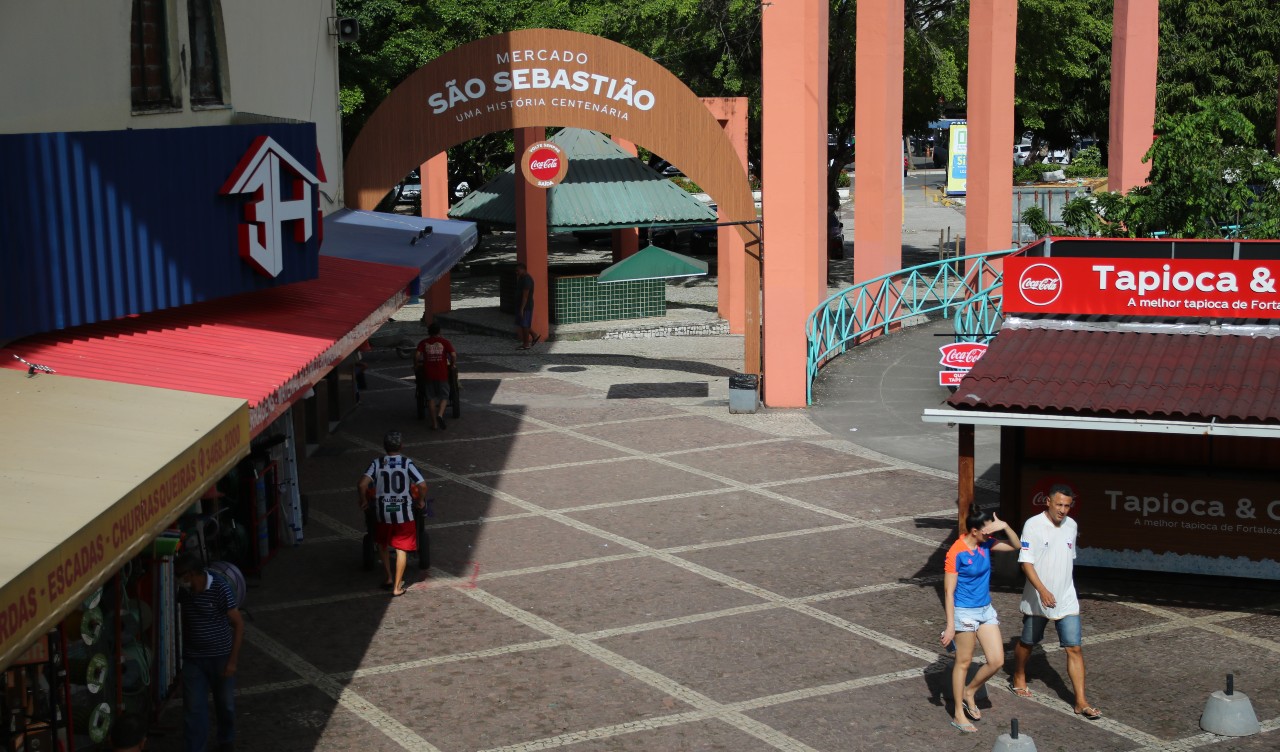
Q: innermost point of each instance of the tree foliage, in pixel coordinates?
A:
(1221, 48)
(1207, 181)
(1063, 68)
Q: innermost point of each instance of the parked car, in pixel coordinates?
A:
(1059, 156)
(410, 189)
(1020, 154)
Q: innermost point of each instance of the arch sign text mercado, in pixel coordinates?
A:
(545, 77)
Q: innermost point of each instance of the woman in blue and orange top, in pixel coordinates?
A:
(970, 617)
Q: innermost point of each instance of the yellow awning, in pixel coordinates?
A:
(90, 472)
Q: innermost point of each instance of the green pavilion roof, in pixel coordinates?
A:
(605, 188)
(653, 262)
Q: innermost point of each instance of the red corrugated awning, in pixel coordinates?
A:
(1183, 376)
(264, 347)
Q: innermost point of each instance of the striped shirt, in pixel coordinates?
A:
(206, 631)
(392, 477)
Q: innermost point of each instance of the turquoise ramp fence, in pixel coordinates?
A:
(969, 284)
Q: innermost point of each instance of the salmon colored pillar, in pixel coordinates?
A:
(434, 176)
(531, 231)
(793, 137)
(993, 27)
(626, 240)
(1135, 45)
(877, 187)
(731, 113)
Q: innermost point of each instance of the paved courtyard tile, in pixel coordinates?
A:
(878, 495)
(301, 720)
(748, 656)
(613, 594)
(589, 412)
(814, 562)
(380, 631)
(512, 452)
(506, 544)
(622, 480)
(673, 434)
(506, 699)
(692, 736)
(705, 518)
(777, 461)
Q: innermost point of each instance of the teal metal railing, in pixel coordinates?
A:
(968, 284)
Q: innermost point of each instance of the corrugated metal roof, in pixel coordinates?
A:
(1174, 376)
(263, 347)
(605, 187)
(398, 239)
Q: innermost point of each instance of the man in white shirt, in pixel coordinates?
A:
(1048, 555)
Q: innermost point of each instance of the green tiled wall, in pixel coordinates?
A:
(581, 298)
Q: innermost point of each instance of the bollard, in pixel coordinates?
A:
(1229, 713)
(1013, 741)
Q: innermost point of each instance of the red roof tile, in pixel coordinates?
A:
(264, 347)
(1183, 377)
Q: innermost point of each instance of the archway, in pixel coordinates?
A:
(546, 77)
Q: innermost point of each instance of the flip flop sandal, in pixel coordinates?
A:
(1020, 691)
(971, 710)
(967, 728)
(1090, 712)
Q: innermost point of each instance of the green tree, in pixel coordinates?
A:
(1063, 68)
(1207, 180)
(1221, 48)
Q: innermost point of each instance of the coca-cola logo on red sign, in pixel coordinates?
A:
(961, 355)
(1040, 284)
(544, 164)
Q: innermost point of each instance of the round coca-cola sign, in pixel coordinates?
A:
(544, 164)
(1040, 284)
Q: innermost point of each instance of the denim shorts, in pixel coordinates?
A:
(969, 619)
(1068, 628)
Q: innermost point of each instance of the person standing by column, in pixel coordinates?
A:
(212, 630)
(524, 311)
(971, 619)
(1048, 557)
(395, 486)
(432, 361)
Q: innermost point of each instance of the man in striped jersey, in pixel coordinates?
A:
(212, 629)
(394, 485)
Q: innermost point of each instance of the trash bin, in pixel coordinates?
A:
(744, 393)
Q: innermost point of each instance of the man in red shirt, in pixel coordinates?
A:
(431, 364)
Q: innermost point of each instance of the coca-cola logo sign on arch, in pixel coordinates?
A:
(961, 355)
(544, 164)
(1040, 284)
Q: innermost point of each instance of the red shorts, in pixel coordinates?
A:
(400, 535)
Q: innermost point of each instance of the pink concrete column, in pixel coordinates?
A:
(626, 241)
(434, 174)
(1278, 116)
(531, 231)
(793, 137)
(877, 196)
(993, 27)
(1135, 45)
(731, 113)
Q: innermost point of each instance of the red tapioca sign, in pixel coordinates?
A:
(1224, 288)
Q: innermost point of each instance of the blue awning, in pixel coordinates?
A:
(399, 240)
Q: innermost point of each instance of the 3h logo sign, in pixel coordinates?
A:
(284, 191)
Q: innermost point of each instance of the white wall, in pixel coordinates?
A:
(66, 63)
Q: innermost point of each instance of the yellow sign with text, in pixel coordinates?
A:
(37, 599)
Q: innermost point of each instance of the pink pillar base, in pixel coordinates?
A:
(531, 231)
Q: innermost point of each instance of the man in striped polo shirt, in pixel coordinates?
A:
(394, 485)
(212, 629)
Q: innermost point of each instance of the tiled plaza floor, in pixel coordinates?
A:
(656, 574)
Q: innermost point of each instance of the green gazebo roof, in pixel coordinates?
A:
(652, 262)
(605, 188)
